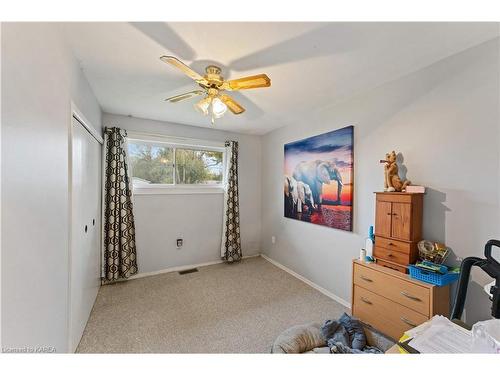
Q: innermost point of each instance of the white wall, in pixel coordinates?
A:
(445, 121)
(197, 218)
(40, 77)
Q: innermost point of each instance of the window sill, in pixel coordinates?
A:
(178, 190)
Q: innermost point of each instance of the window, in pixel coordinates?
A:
(151, 163)
(198, 166)
(161, 165)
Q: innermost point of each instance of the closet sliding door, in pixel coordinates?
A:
(86, 229)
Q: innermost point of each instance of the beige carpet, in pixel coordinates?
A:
(238, 308)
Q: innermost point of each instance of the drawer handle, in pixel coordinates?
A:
(366, 279)
(410, 296)
(391, 244)
(366, 301)
(410, 323)
(390, 255)
(389, 213)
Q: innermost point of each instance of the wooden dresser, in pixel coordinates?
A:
(391, 301)
(398, 228)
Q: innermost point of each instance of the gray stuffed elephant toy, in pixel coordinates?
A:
(315, 174)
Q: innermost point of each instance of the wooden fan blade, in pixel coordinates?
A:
(251, 82)
(187, 95)
(232, 104)
(174, 61)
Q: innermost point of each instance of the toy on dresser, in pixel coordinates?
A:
(392, 181)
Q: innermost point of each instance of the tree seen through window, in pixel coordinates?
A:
(154, 164)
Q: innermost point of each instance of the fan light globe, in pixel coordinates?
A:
(218, 107)
(202, 105)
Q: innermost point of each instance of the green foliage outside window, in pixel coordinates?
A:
(154, 164)
(197, 166)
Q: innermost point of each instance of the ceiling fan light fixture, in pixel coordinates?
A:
(216, 102)
(218, 107)
(202, 105)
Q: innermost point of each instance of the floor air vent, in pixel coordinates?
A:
(188, 271)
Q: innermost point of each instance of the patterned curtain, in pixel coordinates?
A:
(231, 243)
(120, 260)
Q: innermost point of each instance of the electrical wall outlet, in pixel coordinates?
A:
(179, 243)
(273, 239)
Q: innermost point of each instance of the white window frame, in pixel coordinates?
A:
(177, 142)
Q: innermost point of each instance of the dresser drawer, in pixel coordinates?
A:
(394, 198)
(392, 266)
(391, 255)
(390, 244)
(385, 315)
(399, 290)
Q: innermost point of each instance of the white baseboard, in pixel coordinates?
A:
(308, 282)
(182, 268)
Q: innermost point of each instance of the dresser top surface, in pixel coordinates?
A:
(394, 273)
(396, 193)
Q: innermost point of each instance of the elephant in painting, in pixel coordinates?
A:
(297, 195)
(305, 198)
(316, 173)
(291, 196)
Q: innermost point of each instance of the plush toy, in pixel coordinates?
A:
(392, 181)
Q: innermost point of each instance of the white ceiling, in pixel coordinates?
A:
(311, 65)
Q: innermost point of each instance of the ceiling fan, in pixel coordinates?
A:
(213, 86)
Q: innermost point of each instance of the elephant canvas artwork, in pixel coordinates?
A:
(318, 181)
